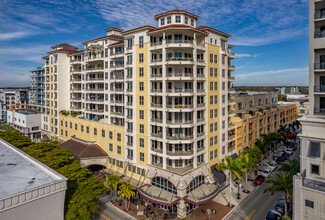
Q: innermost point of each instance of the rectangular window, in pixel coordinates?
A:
(215, 153)
(141, 72)
(95, 131)
(141, 142)
(111, 147)
(223, 149)
(186, 20)
(223, 72)
(119, 149)
(211, 141)
(215, 72)
(211, 155)
(141, 42)
(141, 86)
(192, 22)
(215, 58)
(223, 59)
(118, 137)
(223, 137)
(211, 86)
(211, 127)
(215, 86)
(162, 21)
(169, 19)
(215, 99)
(177, 19)
(75, 126)
(314, 149)
(141, 58)
(211, 100)
(216, 113)
(87, 130)
(211, 72)
(223, 99)
(141, 102)
(215, 126)
(211, 113)
(211, 58)
(82, 128)
(223, 86)
(309, 203)
(216, 140)
(103, 133)
(110, 134)
(314, 169)
(141, 156)
(223, 124)
(141, 114)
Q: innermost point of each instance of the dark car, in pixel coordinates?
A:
(273, 215)
(279, 207)
(293, 147)
(281, 159)
(259, 180)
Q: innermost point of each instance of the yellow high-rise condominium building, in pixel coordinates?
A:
(156, 99)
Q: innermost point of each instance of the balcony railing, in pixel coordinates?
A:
(180, 153)
(159, 120)
(156, 75)
(319, 88)
(156, 60)
(319, 34)
(179, 59)
(156, 105)
(314, 184)
(319, 66)
(319, 15)
(179, 106)
(156, 90)
(180, 121)
(179, 74)
(179, 137)
(156, 135)
(180, 90)
(179, 41)
(320, 111)
(155, 43)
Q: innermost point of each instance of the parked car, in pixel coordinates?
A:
(281, 159)
(266, 172)
(273, 215)
(273, 165)
(279, 207)
(259, 180)
(293, 147)
(289, 151)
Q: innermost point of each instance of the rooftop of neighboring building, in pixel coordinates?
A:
(20, 172)
(245, 93)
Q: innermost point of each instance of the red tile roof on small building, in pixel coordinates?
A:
(116, 43)
(138, 29)
(213, 30)
(111, 36)
(176, 11)
(64, 45)
(113, 29)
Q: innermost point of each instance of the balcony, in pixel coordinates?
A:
(319, 111)
(158, 150)
(319, 88)
(95, 89)
(186, 60)
(95, 100)
(156, 75)
(319, 15)
(314, 184)
(129, 143)
(201, 134)
(179, 122)
(117, 113)
(180, 106)
(180, 153)
(117, 101)
(94, 79)
(231, 138)
(152, 44)
(158, 135)
(231, 67)
(158, 120)
(231, 126)
(94, 110)
(75, 89)
(231, 113)
(179, 75)
(75, 60)
(156, 105)
(94, 69)
(117, 77)
(130, 157)
(179, 90)
(231, 55)
(231, 78)
(179, 137)
(116, 89)
(116, 54)
(180, 169)
(156, 60)
(156, 90)
(319, 66)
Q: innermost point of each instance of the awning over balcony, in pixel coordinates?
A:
(158, 196)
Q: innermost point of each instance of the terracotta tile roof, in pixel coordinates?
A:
(116, 43)
(64, 45)
(172, 26)
(80, 51)
(113, 29)
(66, 50)
(45, 57)
(139, 28)
(82, 149)
(111, 36)
(176, 11)
(231, 46)
(213, 30)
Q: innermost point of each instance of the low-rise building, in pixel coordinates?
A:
(12, 98)
(28, 188)
(26, 122)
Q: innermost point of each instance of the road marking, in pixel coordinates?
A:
(102, 215)
(250, 214)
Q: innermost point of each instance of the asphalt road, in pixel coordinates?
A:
(257, 205)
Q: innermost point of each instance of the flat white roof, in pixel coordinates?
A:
(20, 172)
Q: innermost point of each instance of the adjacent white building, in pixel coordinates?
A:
(28, 123)
(309, 185)
(9, 97)
(28, 188)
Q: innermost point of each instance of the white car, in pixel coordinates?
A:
(273, 165)
(289, 151)
(266, 172)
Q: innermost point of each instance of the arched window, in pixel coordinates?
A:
(195, 183)
(164, 184)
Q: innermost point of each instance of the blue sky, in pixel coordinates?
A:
(270, 36)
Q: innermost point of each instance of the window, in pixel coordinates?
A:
(192, 22)
(66, 133)
(211, 113)
(215, 86)
(211, 58)
(223, 149)
(223, 98)
(211, 86)
(141, 42)
(314, 169)
(186, 20)
(141, 58)
(87, 130)
(215, 58)
(211, 141)
(215, 126)
(211, 72)
(111, 147)
(169, 19)
(215, 42)
(223, 137)
(141, 114)
(211, 155)
(223, 86)
(141, 128)
(216, 140)
(314, 149)
(141, 72)
(162, 21)
(118, 137)
(223, 59)
(119, 149)
(141, 86)
(211, 127)
(82, 128)
(215, 153)
(141, 156)
(211, 99)
(103, 133)
(95, 131)
(75, 126)
(110, 134)
(141, 102)
(178, 19)
(223, 72)
(309, 203)
(216, 113)
(141, 142)
(215, 99)
(215, 72)
(210, 43)
(223, 124)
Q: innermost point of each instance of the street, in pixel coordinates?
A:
(256, 206)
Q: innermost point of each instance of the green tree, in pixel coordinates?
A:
(253, 152)
(113, 181)
(234, 167)
(282, 98)
(290, 166)
(127, 191)
(248, 162)
(281, 183)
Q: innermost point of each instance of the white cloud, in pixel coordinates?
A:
(245, 55)
(13, 35)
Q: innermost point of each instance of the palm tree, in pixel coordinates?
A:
(113, 181)
(262, 145)
(291, 166)
(281, 183)
(248, 162)
(127, 191)
(234, 167)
